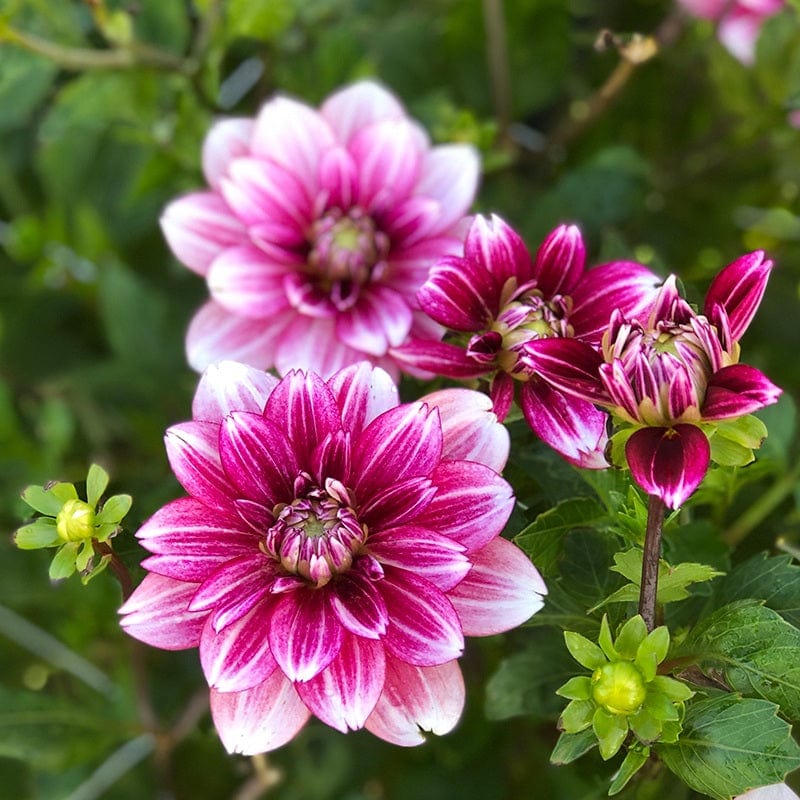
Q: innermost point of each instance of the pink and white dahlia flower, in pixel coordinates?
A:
(334, 550)
(499, 304)
(670, 381)
(316, 231)
(738, 22)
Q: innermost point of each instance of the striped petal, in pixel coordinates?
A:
(231, 386)
(362, 393)
(737, 390)
(560, 261)
(226, 140)
(493, 243)
(354, 107)
(359, 605)
(569, 365)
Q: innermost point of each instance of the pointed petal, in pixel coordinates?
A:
(215, 335)
(359, 606)
(304, 408)
(669, 462)
(423, 552)
(260, 719)
(738, 289)
(417, 699)
(293, 135)
(440, 358)
(249, 282)
(257, 458)
(199, 227)
(379, 320)
(226, 140)
(190, 540)
(345, 693)
(470, 428)
(423, 625)
(312, 344)
(493, 243)
(472, 505)
(397, 503)
(404, 442)
(623, 285)
(569, 365)
(450, 176)
(501, 393)
(502, 590)
(338, 178)
(560, 261)
(193, 453)
(574, 428)
(157, 614)
(737, 390)
(238, 657)
(362, 392)
(305, 633)
(231, 386)
(354, 107)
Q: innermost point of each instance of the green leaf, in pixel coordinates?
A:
(652, 651)
(42, 501)
(584, 651)
(634, 760)
(631, 635)
(543, 538)
(63, 563)
(730, 454)
(730, 744)
(675, 690)
(114, 509)
(748, 431)
(96, 483)
(606, 641)
(578, 687)
(756, 649)
(577, 716)
(611, 730)
(571, 746)
(41, 533)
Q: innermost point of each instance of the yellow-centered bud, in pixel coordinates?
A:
(619, 687)
(75, 521)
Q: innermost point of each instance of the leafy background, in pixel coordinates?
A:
(691, 163)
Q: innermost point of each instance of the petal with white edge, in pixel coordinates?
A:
(226, 140)
(354, 107)
(363, 392)
(231, 386)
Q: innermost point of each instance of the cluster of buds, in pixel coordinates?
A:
(624, 692)
(76, 527)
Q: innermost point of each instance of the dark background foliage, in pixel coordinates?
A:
(691, 162)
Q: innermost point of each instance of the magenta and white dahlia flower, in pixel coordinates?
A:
(316, 231)
(499, 304)
(334, 550)
(671, 380)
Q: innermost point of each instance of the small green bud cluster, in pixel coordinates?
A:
(623, 694)
(73, 525)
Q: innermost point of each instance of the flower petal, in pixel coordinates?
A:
(440, 358)
(305, 633)
(226, 140)
(259, 719)
(502, 590)
(493, 243)
(738, 289)
(312, 344)
(417, 699)
(397, 503)
(359, 605)
(238, 657)
(623, 285)
(157, 613)
(470, 428)
(574, 428)
(669, 462)
(737, 390)
(354, 107)
(423, 626)
(258, 458)
(560, 261)
(231, 386)
(472, 505)
(345, 693)
(199, 227)
(362, 392)
(379, 320)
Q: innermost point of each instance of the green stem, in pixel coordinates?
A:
(763, 507)
(497, 57)
(652, 553)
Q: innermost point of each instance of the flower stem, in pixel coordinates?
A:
(119, 569)
(652, 554)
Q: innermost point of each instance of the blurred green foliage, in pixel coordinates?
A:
(103, 108)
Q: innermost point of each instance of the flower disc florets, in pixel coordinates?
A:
(334, 550)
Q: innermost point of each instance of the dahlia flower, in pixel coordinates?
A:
(672, 381)
(316, 231)
(738, 22)
(775, 791)
(499, 303)
(334, 550)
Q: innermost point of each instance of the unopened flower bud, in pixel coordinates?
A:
(75, 521)
(618, 687)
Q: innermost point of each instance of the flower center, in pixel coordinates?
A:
(619, 687)
(347, 252)
(75, 521)
(523, 320)
(318, 534)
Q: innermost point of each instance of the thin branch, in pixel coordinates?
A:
(497, 57)
(117, 566)
(652, 553)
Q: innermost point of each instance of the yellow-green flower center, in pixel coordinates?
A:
(619, 687)
(75, 521)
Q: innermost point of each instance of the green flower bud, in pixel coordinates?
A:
(75, 521)
(619, 687)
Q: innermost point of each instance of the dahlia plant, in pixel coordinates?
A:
(672, 382)
(334, 549)
(500, 304)
(316, 231)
